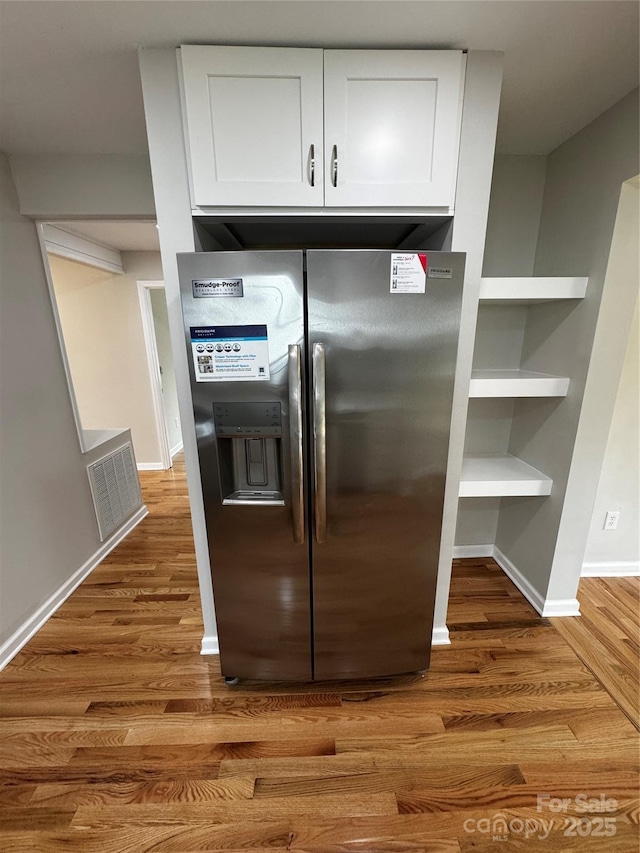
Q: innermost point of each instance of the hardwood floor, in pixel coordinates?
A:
(117, 735)
(607, 637)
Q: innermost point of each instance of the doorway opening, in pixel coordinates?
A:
(162, 377)
(93, 269)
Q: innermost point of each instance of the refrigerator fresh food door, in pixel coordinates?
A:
(383, 337)
(244, 327)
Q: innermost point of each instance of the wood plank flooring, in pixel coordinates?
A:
(607, 636)
(117, 735)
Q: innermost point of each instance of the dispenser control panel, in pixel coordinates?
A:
(247, 419)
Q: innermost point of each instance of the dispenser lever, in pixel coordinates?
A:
(256, 462)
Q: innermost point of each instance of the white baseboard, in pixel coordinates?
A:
(461, 551)
(210, 645)
(440, 637)
(21, 637)
(561, 607)
(512, 572)
(624, 569)
(158, 466)
(545, 607)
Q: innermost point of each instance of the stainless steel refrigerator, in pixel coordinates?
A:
(322, 384)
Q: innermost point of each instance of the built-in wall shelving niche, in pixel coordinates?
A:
(530, 290)
(501, 475)
(516, 383)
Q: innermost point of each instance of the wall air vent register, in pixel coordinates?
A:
(115, 489)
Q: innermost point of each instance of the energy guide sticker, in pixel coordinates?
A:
(408, 272)
(230, 353)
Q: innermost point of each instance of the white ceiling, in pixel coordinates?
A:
(70, 83)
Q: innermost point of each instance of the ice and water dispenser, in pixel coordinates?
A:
(249, 442)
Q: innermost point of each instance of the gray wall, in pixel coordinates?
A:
(161, 92)
(58, 185)
(512, 231)
(477, 146)
(618, 488)
(582, 190)
(47, 523)
(514, 215)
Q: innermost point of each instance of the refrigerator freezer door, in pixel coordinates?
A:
(389, 364)
(236, 304)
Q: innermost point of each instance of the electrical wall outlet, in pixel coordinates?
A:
(611, 520)
(177, 423)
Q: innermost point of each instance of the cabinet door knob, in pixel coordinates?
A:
(312, 165)
(334, 166)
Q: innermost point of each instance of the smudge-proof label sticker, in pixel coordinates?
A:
(408, 272)
(230, 353)
(208, 287)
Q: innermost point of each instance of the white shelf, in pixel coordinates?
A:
(500, 475)
(531, 290)
(516, 383)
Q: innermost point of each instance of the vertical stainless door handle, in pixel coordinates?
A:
(295, 433)
(334, 166)
(320, 442)
(312, 165)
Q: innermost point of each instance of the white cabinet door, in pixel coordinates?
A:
(392, 122)
(254, 125)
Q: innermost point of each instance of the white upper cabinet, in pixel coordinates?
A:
(260, 133)
(392, 127)
(254, 125)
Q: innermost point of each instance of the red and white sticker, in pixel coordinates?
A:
(408, 272)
